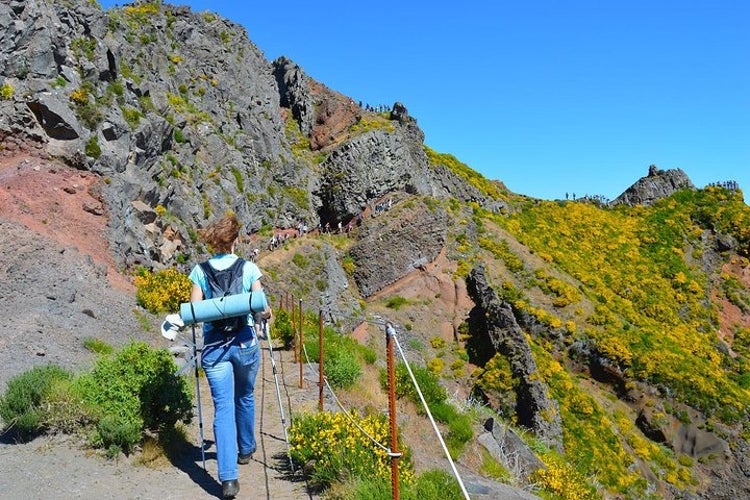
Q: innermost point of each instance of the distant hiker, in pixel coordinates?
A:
(229, 359)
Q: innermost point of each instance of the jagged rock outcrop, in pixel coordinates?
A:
(656, 185)
(324, 116)
(157, 99)
(367, 168)
(389, 248)
(686, 438)
(181, 111)
(507, 447)
(294, 93)
(494, 317)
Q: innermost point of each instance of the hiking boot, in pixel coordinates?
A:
(245, 459)
(229, 489)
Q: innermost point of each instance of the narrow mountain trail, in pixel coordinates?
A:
(278, 396)
(63, 467)
(277, 389)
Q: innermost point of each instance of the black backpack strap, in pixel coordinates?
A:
(208, 270)
(237, 268)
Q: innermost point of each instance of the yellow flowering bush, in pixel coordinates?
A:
(649, 314)
(142, 8)
(436, 366)
(79, 96)
(6, 91)
(339, 449)
(162, 291)
(563, 481)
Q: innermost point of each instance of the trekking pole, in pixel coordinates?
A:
(267, 330)
(198, 394)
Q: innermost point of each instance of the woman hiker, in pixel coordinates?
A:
(229, 359)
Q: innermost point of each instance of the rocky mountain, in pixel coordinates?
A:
(616, 335)
(656, 185)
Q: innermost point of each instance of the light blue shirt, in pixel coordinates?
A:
(250, 274)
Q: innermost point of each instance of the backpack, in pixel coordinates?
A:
(223, 283)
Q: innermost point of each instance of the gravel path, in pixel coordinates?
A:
(60, 467)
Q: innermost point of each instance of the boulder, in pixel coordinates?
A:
(656, 185)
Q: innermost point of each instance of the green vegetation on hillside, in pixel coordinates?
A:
(652, 314)
(493, 189)
(125, 395)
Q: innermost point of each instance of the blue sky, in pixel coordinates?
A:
(550, 97)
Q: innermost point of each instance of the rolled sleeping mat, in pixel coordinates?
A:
(241, 304)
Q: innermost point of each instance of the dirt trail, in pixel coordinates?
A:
(61, 467)
(279, 481)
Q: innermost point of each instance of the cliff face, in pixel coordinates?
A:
(173, 117)
(656, 185)
(182, 112)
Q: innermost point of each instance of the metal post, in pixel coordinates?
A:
(320, 360)
(294, 330)
(389, 332)
(301, 346)
(198, 393)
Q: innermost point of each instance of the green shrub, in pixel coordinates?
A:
(395, 302)
(135, 390)
(368, 355)
(300, 260)
(97, 346)
(340, 367)
(282, 328)
(432, 391)
(93, 149)
(434, 484)
(84, 47)
(459, 433)
(132, 116)
(179, 136)
(348, 265)
(435, 395)
(23, 407)
(238, 180)
(341, 354)
(430, 485)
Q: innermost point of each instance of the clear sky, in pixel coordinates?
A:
(550, 97)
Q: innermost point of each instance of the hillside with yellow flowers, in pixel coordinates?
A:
(569, 348)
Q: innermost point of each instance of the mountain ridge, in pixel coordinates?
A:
(178, 117)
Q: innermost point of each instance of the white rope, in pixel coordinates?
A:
(392, 332)
(351, 419)
(345, 411)
(309, 363)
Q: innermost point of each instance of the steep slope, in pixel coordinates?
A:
(617, 334)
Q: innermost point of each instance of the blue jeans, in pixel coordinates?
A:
(231, 366)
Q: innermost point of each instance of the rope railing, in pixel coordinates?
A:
(429, 413)
(390, 335)
(346, 411)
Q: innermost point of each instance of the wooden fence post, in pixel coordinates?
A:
(389, 332)
(320, 360)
